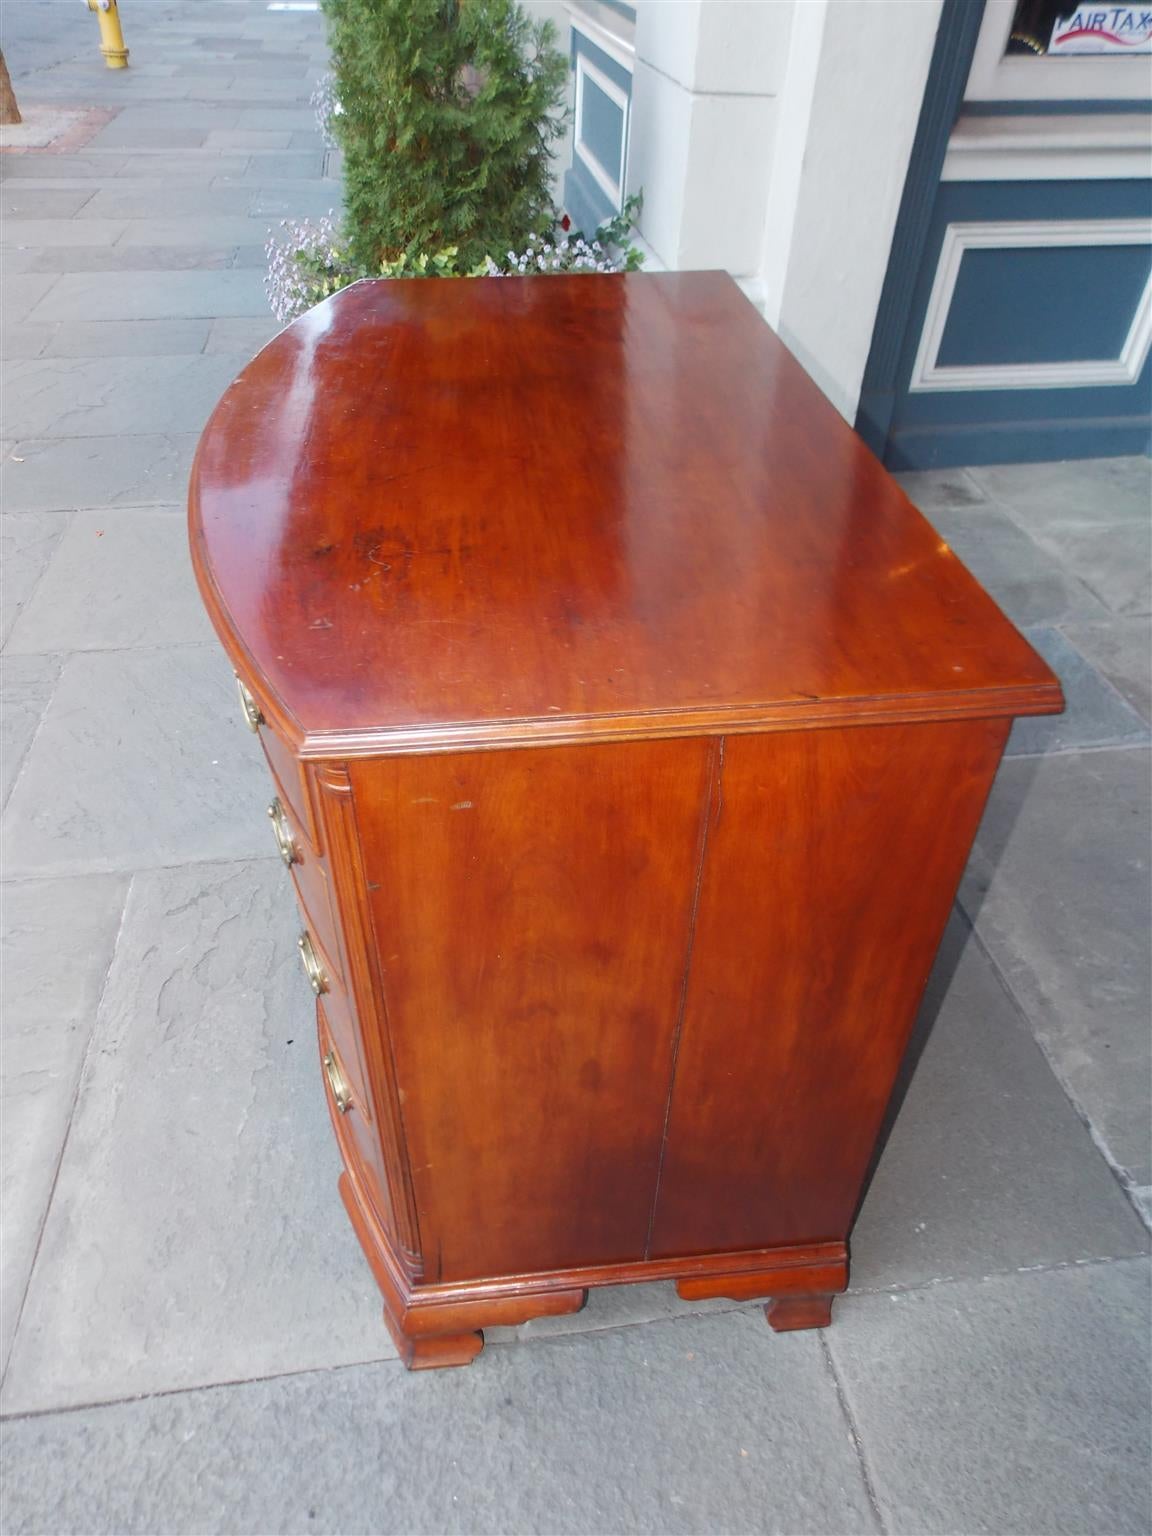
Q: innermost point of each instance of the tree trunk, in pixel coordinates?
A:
(9, 111)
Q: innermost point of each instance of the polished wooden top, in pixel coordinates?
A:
(528, 509)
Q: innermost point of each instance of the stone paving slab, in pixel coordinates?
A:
(127, 338)
(18, 262)
(153, 136)
(935, 489)
(53, 167)
(26, 684)
(1059, 888)
(1122, 650)
(1113, 559)
(57, 939)
(195, 1234)
(987, 1167)
(128, 201)
(1016, 1404)
(701, 1425)
(242, 336)
(22, 202)
(1030, 586)
(247, 138)
(23, 340)
(1041, 496)
(1095, 714)
(228, 229)
(313, 202)
(26, 545)
(291, 119)
(133, 258)
(112, 396)
(35, 234)
(143, 469)
(20, 292)
(141, 760)
(107, 169)
(195, 168)
(147, 296)
(272, 169)
(34, 181)
(254, 257)
(115, 580)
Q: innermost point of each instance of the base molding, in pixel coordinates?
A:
(442, 1325)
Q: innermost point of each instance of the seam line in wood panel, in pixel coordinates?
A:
(712, 794)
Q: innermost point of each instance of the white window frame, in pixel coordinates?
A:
(1085, 373)
(611, 186)
(995, 77)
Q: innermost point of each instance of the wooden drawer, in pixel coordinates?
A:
(337, 1009)
(344, 1084)
(314, 895)
(288, 773)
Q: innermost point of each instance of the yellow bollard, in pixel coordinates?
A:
(111, 37)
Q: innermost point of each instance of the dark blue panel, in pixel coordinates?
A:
(584, 201)
(622, 9)
(601, 128)
(1014, 442)
(960, 22)
(604, 62)
(1067, 108)
(941, 427)
(1040, 305)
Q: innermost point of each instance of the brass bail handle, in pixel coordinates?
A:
(341, 1093)
(312, 967)
(283, 833)
(253, 718)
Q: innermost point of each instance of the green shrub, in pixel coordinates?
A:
(448, 110)
(309, 260)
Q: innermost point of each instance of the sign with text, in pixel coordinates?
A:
(1113, 29)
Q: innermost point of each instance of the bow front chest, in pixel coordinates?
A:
(628, 731)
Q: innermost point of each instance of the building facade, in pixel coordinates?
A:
(944, 207)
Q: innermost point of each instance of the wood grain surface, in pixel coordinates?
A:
(623, 995)
(486, 510)
(832, 861)
(532, 914)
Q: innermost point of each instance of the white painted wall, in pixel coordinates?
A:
(771, 138)
(704, 109)
(842, 155)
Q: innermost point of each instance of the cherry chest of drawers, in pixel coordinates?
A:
(628, 731)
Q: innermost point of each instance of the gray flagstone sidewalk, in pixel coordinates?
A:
(191, 1338)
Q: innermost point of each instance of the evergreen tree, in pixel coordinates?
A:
(448, 115)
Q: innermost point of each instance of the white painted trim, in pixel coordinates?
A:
(928, 375)
(1089, 147)
(617, 48)
(611, 186)
(993, 77)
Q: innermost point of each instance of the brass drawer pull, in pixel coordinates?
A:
(315, 971)
(341, 1093)
(283, 833)
(253, 719)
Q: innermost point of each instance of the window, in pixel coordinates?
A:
(1053, 50)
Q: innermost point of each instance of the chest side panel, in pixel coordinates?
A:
(832, 860)
(531, 913)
